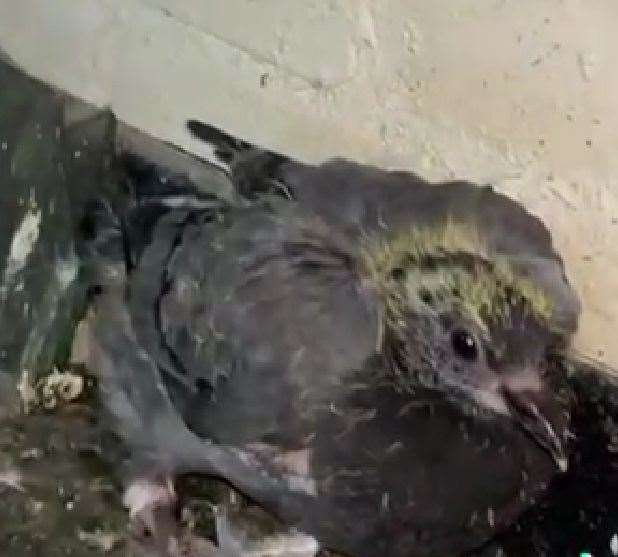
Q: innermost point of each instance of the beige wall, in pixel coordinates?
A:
(520, 93)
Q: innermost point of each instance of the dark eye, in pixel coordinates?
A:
(464, 344)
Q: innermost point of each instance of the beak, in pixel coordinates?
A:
(527, 414)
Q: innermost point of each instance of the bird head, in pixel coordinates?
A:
(461, 320)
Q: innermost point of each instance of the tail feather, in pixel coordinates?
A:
(254, 171)
(225, 145)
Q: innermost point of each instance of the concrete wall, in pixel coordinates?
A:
(520, 93)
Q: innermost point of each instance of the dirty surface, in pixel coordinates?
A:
(59, 494)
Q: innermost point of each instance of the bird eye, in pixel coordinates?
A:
(464, 344)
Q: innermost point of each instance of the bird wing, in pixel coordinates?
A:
(250, 310)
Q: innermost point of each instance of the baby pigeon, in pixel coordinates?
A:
(364, 354)
(370, 477)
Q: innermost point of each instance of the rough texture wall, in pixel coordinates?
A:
(519, 93)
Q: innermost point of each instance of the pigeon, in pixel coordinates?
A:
(577, 514)
(105, 250)
(362, 353)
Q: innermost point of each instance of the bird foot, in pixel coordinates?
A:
(157, 526)
(152, 506)
(160, 527)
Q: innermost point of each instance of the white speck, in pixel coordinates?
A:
(283, 188)
(586, 63)
(143, 494)
(36, 506)
(11, 478)
(613, 544)
(66, 271)
(77, 154)
(178, 202)
(103, 541)
(491, 517)
(26, 391)
(385, 501)
(233, 498)
(4, 145)
(70, 505)
(394, 447)
(31, 454)
(22, 244)
(302, 484)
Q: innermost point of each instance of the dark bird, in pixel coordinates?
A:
(362, 353)
(379, 361)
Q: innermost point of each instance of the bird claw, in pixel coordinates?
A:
(151, 505)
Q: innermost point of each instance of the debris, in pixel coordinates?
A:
(27, 392)
(586, 64)
(33, 453)
(491, 517)
(22, 244)
(103, 541)
(60, 387)
(50, 390)
(11, 478)
(142, 495)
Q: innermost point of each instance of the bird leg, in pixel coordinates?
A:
(152, 508)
